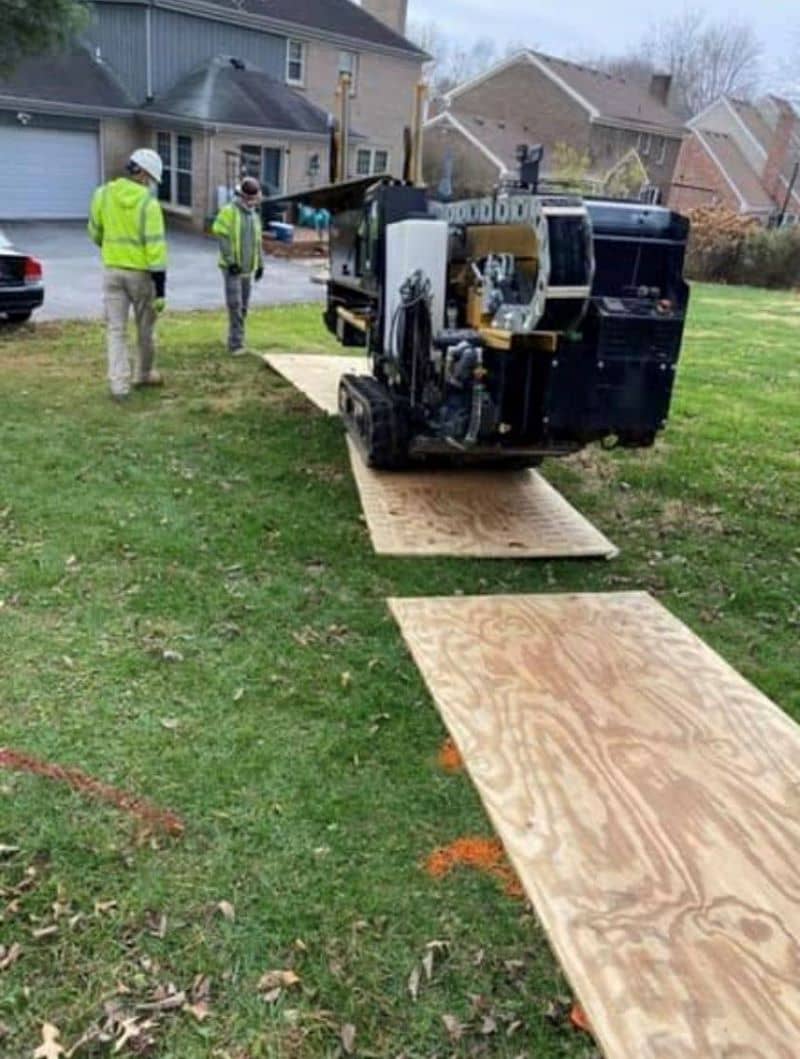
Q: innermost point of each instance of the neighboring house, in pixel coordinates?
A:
(218, 87)
(743, 156)
(534, 98)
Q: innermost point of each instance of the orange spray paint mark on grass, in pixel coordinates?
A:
(449, 757)
(482, 854)
(149, 814)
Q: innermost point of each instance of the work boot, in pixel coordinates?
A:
(153, 378)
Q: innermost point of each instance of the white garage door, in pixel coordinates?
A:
(47, 173)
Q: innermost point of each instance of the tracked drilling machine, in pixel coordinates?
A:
(504, 329)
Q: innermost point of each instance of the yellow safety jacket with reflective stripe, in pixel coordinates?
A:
(127, 223)
(234, 242)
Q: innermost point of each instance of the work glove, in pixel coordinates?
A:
(234, 270)
(160, 305)
(160, 287)
(259, 273)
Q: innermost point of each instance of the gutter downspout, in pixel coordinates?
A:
(148, 32)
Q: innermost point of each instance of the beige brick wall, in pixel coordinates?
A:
(383, 103)
(523, 94)
(119, 138)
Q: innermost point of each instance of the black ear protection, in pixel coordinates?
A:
(133, 169)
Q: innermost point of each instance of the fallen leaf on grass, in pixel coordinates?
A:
(199, 1011)
(272, 984)
(45, 932)
(226, 910)
(346, 680)
(101, 907)
(413, 983)
(49, 1048)
(455, 1030)
(170, 723)
(8, 851)
(9, 956)
(168, 1002)
(168, 655)
(347, 1035)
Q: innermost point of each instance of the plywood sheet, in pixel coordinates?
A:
(316, 376)
(489, 514)
(649, 799)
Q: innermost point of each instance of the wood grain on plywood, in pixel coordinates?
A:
(490, 514)
(316, 376)
(649, 799)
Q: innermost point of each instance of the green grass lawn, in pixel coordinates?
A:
(217, 519)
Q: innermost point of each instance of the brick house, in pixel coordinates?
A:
(218, 87)
(529, 98)
(744, 156)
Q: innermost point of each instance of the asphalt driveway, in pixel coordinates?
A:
(73, 273)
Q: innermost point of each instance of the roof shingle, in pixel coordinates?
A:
(226, 91)
(73, 77)
(613, 97)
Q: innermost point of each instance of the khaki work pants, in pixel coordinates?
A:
(124, 289)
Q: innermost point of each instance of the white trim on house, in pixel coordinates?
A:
(512, 60)
(51, 106)
(693, 123)
(747, 131)
(447, 116)
(728, 178)
(175, 121)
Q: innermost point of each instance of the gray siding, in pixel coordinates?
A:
(182, 42)
(118, 30)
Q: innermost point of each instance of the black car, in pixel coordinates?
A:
(21, 286)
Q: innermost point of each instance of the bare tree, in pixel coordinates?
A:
(706, 58)
(452, 61)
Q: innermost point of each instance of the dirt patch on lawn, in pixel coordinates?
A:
(680, 514)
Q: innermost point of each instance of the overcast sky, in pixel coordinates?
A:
(581, 27)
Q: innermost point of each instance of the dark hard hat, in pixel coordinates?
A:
(250, 187)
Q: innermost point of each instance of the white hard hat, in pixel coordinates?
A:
(149, 161)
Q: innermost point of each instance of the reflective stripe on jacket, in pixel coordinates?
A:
(127, 223)
(235, 240)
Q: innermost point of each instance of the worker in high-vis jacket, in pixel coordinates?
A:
(241, 256)
(127, 223)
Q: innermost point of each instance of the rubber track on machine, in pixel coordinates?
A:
(382, 447)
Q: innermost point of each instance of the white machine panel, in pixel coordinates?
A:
(410, 246)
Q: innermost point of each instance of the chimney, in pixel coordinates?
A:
(778, 159)
(392, 13)
(660, 85)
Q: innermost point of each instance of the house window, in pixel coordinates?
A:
(295, 62)
(369, 161)
(348, 64)
(176, 182)
(662, 153)
(363, 161)
(266, 165)
(645, 143)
